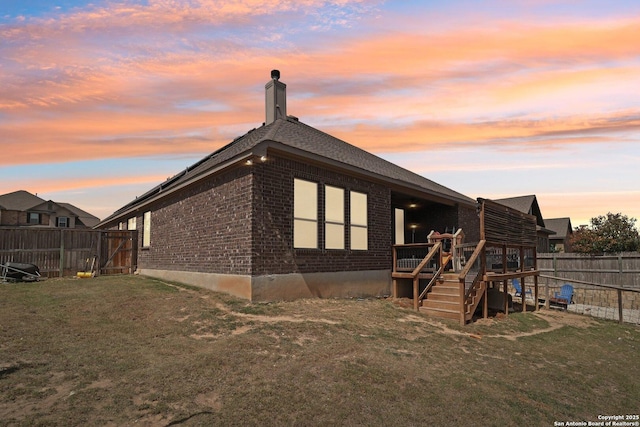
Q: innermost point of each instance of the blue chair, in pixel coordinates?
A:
(564, 297)
(518, 288)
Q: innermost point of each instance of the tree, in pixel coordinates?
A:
(607, 234)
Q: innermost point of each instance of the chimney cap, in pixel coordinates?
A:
(275, 74)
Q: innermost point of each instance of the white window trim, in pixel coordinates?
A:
(305, 214)
(334, 218)
(146, 229)
(358, 221)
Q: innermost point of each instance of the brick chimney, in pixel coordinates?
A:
(276, 98)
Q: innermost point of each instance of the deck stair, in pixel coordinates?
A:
(443, 299)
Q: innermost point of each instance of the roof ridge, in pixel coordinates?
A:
(274, 129)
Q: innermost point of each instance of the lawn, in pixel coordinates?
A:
(126, 350)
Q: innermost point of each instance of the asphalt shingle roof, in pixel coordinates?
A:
(290, 132)
(521, 203)
(19, 201)
(560, 226)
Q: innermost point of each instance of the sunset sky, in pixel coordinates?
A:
(102, 100)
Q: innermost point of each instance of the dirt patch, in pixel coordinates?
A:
(566, 319)
(555, 321)
(129, 351)
(273, 319)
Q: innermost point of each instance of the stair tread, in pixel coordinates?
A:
(440, 304)
(439, 310)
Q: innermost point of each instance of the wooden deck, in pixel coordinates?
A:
(459, 279)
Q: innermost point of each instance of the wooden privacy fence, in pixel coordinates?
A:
(64, 252)
(605, 286)
(619, 269)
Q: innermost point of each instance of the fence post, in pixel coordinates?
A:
(619, 305)
(61, 252)
(99, 253)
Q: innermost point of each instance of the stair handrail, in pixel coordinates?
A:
(435, 277)
(426, 259)
(472, 260)
(462, 277)
(436, 249)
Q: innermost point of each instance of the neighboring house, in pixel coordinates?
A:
(287, 211)
(529, 205)
(23, 209)
(561, 240)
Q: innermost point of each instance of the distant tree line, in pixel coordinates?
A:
(606, 234)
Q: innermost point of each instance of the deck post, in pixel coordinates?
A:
(535, 297)
(485, 304)
(395, 264)
(524, 293)
(416, 282)
(463, 309)
(505, 295)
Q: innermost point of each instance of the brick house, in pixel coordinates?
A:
(560, 241)
(287, 211)
(23, 209)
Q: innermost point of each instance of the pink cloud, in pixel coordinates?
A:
(386, 92)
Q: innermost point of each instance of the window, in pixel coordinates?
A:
(131, 223)
(305, 214)
(399, 228)
(359, 231)
(34, 218)
(333, 217)
(121, 225)
(62, 222)
(146, 229)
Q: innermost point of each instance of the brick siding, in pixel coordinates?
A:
(241, 222)
(273, 251)
(204, 228)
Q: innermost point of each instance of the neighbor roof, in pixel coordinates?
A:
(85, 217)
(561, 226)
(526, 204)
(19, 201)
(294, 136)
(22, 200)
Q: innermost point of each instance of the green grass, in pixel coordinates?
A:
(127, 350)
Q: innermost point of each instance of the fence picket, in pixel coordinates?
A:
(64, 252)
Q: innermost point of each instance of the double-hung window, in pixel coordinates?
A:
(131, 223)
(333, 212)
(34, 218)
(305, 214)
(333, 217)
(358, 219)
(146, 229)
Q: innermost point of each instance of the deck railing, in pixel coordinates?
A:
(471, 277)
(407, 257)
(416, 261)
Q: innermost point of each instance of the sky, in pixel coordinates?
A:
(102, 100)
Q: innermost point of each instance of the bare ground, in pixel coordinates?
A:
(128, 350)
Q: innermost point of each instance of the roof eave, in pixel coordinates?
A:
(397, 184)
(135, 207)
